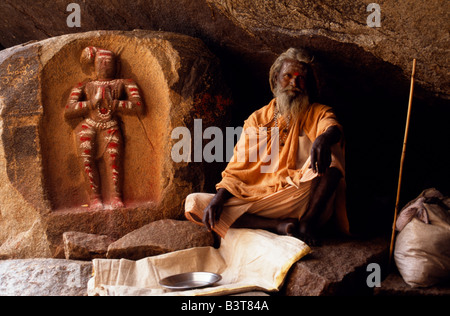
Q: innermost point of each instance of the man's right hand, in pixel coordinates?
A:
(212, 213)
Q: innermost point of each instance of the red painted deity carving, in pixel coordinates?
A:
(98, 136)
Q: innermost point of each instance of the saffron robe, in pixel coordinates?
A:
(269, 172)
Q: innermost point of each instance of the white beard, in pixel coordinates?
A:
(289, 105)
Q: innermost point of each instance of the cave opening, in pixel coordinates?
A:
(370, 98)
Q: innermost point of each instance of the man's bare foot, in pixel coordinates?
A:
(287, 227)
(96, 204)
(307, 235)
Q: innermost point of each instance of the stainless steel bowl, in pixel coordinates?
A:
(190, 280)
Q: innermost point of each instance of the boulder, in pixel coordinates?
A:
(338, 267)
(158, 238)
(82, 246)
(254, 28)
(42, 192)
(44, 277)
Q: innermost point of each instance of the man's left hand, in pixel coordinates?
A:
(321, 149)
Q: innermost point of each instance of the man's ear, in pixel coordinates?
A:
(273, 83)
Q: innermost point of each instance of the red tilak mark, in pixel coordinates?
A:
(296, 74)
(80, 104)
(67, 106)
(139, 103)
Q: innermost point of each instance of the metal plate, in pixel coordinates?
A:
(190, 280)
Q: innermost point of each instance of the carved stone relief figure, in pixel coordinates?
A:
(98, 136)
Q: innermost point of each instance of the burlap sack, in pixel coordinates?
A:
(422, 251)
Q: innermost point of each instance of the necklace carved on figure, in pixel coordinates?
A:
(285, 131)
(103, 111)
(104, 82)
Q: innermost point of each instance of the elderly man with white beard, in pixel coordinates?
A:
(306, 190)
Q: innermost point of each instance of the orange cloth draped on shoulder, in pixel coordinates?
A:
(265, 164)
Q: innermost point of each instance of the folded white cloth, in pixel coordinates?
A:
(247, 260)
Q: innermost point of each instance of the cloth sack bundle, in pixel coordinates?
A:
(422, 248)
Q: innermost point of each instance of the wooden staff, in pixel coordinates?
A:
(402, 160)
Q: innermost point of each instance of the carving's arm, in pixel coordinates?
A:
(75, 107)
(133, 104)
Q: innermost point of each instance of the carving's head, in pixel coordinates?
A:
(104, 61)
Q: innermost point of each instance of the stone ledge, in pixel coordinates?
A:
(394, 285)
(338, 267)
(44, 277)
(160, 237)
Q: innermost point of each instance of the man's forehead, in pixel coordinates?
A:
(291, 65)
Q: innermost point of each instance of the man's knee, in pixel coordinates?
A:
(197, 202)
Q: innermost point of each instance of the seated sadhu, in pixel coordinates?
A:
(287, 173)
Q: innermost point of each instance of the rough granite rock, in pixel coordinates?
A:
(42, 191)
(44, 277)
(394, 285)
(409, 29)
(338, 267)
(254, 28)
(158, 238)
(82, 246)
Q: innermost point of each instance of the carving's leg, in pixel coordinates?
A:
(85, 136)
(113, 162)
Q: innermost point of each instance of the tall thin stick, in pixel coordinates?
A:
(402, 160)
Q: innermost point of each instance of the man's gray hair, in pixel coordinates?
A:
(297, 54)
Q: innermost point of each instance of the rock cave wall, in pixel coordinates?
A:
(363, 72)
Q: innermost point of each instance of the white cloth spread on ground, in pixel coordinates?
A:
(247, 260)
